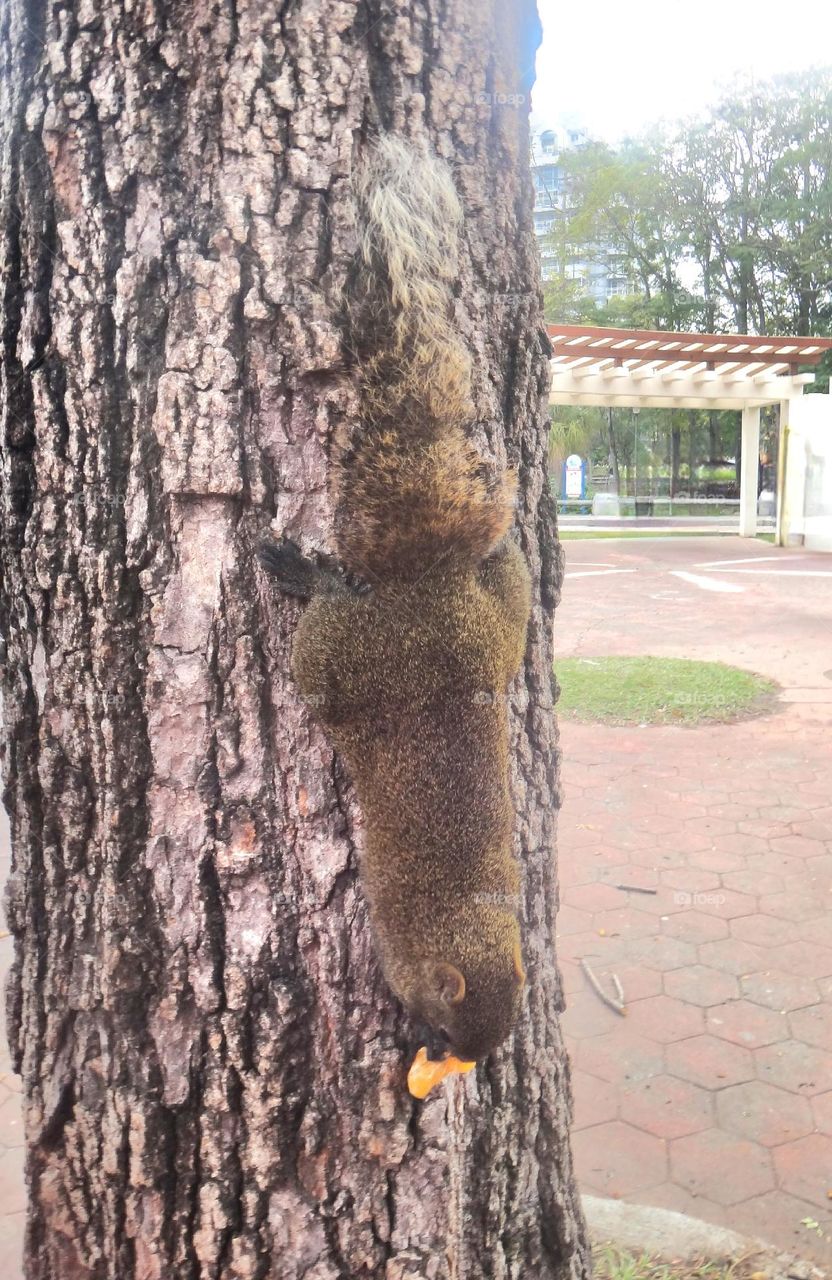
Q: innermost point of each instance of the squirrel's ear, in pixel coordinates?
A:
(446, 982)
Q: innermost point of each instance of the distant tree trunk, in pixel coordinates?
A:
(675, 459)
(714, 443)
(213, 1069)
(616, 473)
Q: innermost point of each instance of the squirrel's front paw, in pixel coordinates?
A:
(293, 571)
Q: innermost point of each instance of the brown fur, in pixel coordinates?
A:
(410, 677)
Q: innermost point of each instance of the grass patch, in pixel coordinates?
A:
(765, 537)
(659, 691)
(617, 1264)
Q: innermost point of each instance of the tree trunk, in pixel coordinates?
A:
(213, 1068)
(675, 459)
(616, 472)
(714, 444)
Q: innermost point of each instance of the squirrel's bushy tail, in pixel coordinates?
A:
(415, 490)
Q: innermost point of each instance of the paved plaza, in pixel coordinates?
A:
(713, 1095)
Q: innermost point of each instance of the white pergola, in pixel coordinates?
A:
(643, 369)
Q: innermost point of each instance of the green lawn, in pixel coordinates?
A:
(659, 691)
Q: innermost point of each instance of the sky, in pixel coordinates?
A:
(616, 66)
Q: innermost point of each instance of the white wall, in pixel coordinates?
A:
(805, 508)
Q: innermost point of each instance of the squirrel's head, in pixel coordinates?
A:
(473, 1005)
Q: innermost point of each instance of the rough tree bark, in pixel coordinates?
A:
(213, 1068)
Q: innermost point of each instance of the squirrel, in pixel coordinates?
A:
(409, 670)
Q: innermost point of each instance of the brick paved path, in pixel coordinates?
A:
(713, 1095)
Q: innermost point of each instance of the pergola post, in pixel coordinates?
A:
(749, 472)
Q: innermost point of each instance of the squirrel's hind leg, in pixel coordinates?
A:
(505, 577)
(297, 574)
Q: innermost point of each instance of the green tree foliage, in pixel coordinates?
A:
(721, 224)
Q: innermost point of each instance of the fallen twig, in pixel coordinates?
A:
(609, 1001)
(635, 888)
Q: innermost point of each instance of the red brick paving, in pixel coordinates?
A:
(714, 1094)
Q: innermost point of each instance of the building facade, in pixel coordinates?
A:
(598, 277)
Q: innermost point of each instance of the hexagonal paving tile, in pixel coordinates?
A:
(572, 978)
(701, 985)
(778, 1216)
(767, 828)
(620, 1055)
(763, 930)
(664, 903)
(637, 982)
(779, 864)
(794, 1066)
(804, 1168)
(814, 828)
(747, 1024)
(667, 1107)
(663, 953)
(574, 946)
(730, 905)
(689, 880)
(11, 1121)
(793, 904)
(623, 923)
(12, 1182)
(708, 1061)
(807, 959)
(754, 884)
(617, 1159)
(718, 859)
(780, 991)
(594, 1101)
(733, 955)
(710, 828)
(669, 1195)
(798, 846)
(741, 843)
(593, 897)
(822, 1111)
(819, 930)
(763, 1113)
(643, 877)
(814, 1025)
(571, 920)
(586, 1015)
(695, 927)
(718, 1165)
(665, 1019)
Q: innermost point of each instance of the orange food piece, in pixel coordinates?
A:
(424, 1074)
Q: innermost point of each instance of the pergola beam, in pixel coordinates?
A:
(697, 389)
(601, 400)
